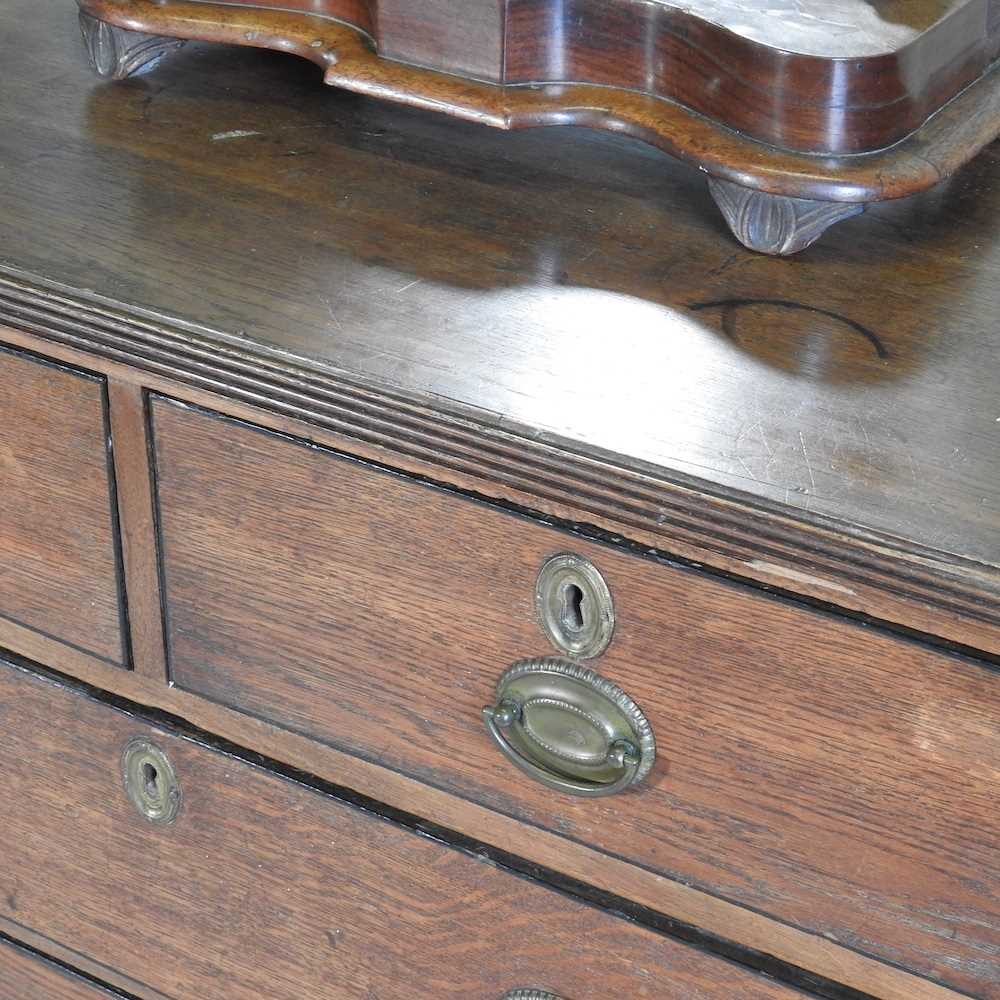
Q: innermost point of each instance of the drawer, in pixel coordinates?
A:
(59, 567)
(24, 976)
(831, 775)
(259, 886)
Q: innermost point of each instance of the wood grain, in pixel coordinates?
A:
(25, 976)
(59, 571)
(264, 888)
(376, 614)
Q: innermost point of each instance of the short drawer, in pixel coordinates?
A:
(198, 875)
(58, 547)
(833, 776)
(25, 976)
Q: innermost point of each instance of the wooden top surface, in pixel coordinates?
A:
(824, 27)
(564, 286)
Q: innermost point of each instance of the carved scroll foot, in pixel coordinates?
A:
(773, 224)
(117, 54)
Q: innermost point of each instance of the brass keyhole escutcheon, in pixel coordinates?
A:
(150, 781)
(574, 606)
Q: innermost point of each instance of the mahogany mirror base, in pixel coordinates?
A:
(776, 201)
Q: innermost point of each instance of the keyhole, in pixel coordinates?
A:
(151, 781)
(574, 606)
(572, 610)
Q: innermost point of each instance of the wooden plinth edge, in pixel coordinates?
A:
(936, 150)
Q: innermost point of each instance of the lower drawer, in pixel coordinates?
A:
(24, 976)
(262, 887)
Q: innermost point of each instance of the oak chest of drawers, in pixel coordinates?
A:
(412, 587)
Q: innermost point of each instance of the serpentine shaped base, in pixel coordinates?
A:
(773, 224)
(776, 201)
(117, 54)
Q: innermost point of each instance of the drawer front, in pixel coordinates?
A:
(59, 566)
(262, 887)
(837, 778)
(24, 976)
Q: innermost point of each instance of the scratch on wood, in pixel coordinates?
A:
(330, 312)
(235, 134)
(805, 455)
(773, 569)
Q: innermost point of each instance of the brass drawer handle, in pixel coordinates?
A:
(529, 994)
(569, 728)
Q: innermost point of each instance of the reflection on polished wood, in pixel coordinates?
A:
(844, 28)
(545, 282)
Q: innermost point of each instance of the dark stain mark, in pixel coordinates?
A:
(149, 98)
(730, 307)
(333, 938)
(12, 900)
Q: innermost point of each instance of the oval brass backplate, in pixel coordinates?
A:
(574, 606)
(150, 781)
(569, 728)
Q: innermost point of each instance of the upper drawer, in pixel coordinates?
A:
(58, 541)
(839, 778)
(262, 889)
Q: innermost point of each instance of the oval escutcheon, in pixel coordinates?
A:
(566, 731)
